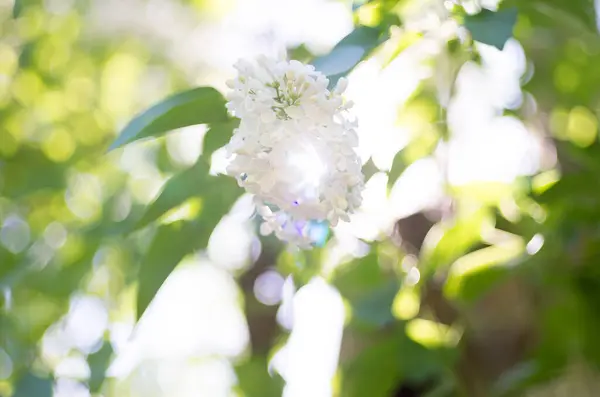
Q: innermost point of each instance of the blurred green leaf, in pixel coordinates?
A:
(197, 106)
(376, 371)
(446, 243)
(361, 274)
(398, 167)
(369, 290)
(98, 363)
(300, 53)
(559, 14)
(170, 245)
(8, 261)
(58, 279)
(33, 386)
(174, 241)
(17, 8)
(389, 361)
(30, 171)
(493, 28)
(189, 183)
(255, 381)
(350, 51)
(522, 376)
(375, 307)
(476, 272)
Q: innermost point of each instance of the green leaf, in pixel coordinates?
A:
(98, 363)
(475, 273)
(354, 278)
(197, 106)
(254, 379)
(218, 135)
(368, 289)
(170, 245)
(398, 167)
(456, 239)
(189, 183)
(376, 370)
(32, 386)
(174, 241)
(389, 361)
(351, 50)
(30, 171)
(375, 308)
(493, 28)
(575, 15)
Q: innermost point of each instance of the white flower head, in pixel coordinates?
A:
(294, 148)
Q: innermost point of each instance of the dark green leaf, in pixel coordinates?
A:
(218, 135)
(197, 106)
(493, 28)
(349, 52)
(98, 363)
(32, 386)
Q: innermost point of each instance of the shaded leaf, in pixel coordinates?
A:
(33, 386)
(351, 50)
(30, 171)
(390, 361)
(492, 28)
(98, 363)
(197, 106)
(368, 289)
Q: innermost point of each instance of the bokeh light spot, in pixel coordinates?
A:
(59, 146)
(268, 288)
(406, 304)
(566, 78)
(15, 234)
(582, 126)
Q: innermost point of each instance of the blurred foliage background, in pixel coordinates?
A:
(472, 269)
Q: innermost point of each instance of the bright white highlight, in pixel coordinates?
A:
(309, 359)
(535, 244)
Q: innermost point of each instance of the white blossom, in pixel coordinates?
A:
(294, 149)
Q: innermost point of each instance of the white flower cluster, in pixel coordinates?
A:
(294, 148)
